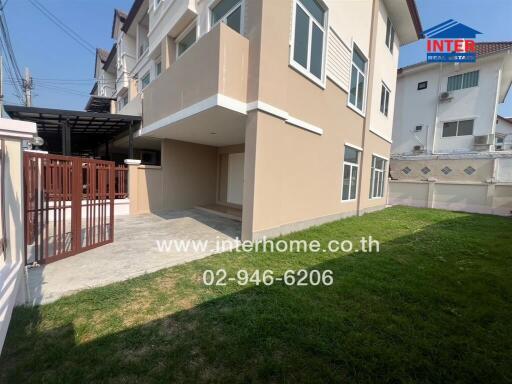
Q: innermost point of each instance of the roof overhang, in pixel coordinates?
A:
(87, 128)
(406, 20)
(134, 10)
(506, 75)
(99, 104)
(110, 58)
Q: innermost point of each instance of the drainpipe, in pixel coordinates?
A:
(369, 87)
(436, 118)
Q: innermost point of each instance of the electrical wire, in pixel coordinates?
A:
(61, 25)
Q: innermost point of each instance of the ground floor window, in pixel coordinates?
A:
(350, 173)
(378, 176)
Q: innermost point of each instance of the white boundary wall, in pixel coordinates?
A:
(12, 286)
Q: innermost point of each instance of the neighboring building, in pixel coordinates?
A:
(103, 93)
(276, 111)
(447, 132)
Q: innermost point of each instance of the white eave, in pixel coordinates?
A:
(402, 17)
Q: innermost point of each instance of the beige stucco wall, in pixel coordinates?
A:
(293, 177)
(217, 64)
(186, 178)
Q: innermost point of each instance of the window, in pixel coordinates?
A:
(187, 39)
(228, 12)
(390, 36)
(499, 143)
(377, 177)
(458, 128)
(466, 80)
(158, 67)
(422, 85)
(309, 37)
(157, 3)
(145, 80)
(384, 100)
(358, 80)
(350, 173)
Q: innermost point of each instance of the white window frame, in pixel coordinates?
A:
(390, 42)
(378, 172)
(387, 96)
(183, 34)
(352, 165)
(214, 3)
(458, 121)
(325, 29)
(157, 62)
(147, 73)
(362, 111)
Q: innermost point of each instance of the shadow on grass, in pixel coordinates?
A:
(433, 306)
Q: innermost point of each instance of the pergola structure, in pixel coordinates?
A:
(77, 132)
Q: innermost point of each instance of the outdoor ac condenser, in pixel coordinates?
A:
(445, 96)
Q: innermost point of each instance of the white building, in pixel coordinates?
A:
(450, 148)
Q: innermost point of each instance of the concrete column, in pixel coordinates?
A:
(133, 180)
(431, 192)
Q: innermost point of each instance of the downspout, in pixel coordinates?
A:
(436, 118)
(369, 87)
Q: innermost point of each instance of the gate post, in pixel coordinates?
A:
(12, 279)
(133, 166)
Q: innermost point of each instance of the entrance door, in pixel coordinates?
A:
(236, 178)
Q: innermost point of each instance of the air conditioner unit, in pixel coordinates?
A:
(484, 139)
(418, 149)
(445, 96)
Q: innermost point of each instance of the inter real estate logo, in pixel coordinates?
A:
(451, 42)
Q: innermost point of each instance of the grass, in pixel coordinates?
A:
(434, 306)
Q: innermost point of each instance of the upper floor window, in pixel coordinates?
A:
(358, 80)
(145, 80)
(350, 173)
(465, 80)
(377, 177)
(384, 99)
(228, 12)
(308, 45)
(458, 128)
(187, 39)
(157, 3)
(158, 67)
(390, 35)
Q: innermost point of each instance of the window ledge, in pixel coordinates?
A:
(355, 109)
(304, 72)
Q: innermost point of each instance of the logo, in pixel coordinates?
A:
(451, 42)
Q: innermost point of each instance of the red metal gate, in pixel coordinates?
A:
(69, 205)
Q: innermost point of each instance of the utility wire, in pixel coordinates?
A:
(65, 28)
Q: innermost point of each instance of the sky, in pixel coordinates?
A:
(58, 63)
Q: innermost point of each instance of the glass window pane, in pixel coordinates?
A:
(359, 60)
(454, 83)
(317, 43)
(353, 86)
(465, 128)
(470, 79)
(392, 42)
(187, 41)
(360, 92)
(223, 7)
(346, 182)
(372, 181)
(353, 183)
(376, 185)
(379, 163)
(235, 20)
(450, 129)
(351, 155)
(300, 50)
(382, 99)
(315, 9)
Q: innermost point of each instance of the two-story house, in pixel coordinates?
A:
(279, 113)
(449, 146)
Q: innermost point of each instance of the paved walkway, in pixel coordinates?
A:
(134, 252)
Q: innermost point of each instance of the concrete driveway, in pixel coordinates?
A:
(134, 252)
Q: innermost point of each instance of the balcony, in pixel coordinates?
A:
(204, 92)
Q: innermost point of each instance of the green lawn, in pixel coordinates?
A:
(434, 306)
